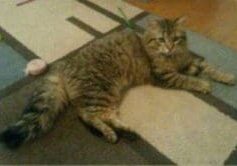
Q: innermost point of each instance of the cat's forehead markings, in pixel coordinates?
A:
(165, 34)
(169, 26)
(179, 33)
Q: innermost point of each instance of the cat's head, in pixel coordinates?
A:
(165, 37)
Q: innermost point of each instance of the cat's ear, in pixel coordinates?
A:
(152, 23)
(180, 20)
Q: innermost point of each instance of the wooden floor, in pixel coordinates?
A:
(216, 19)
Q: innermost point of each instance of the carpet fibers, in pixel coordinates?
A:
(175, 126)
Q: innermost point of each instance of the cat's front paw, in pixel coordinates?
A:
(229, 79)
(203, 87)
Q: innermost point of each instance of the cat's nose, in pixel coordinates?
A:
(170, 48)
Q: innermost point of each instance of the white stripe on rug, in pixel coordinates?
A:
(181, 126)
(42, 26)
(43, 32)
(69, 8)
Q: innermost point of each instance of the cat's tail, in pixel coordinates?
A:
(39, 115)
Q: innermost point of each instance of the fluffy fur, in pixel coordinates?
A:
(95, 79)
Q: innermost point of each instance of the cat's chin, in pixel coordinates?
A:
(168, 55)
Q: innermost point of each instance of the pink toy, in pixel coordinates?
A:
(36, 67)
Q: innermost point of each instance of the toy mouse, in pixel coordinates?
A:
(36, 67)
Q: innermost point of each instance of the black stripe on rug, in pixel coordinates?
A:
(101, 10)
(17, 45)
(112, 15)
(80, 24)
(219, 104)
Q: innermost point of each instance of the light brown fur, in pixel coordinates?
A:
(94, 80)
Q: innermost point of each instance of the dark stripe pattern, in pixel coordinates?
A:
(85, 27)
(141, 147)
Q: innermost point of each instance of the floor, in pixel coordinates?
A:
(175, 126)
(215, 19)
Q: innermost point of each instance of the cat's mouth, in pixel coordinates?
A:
(168, 55)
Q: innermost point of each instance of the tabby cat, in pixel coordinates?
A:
(95, 79)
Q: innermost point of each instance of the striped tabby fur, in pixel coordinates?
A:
(95, 79)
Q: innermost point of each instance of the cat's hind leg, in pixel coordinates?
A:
(106, 121)
(122, 128)
(116, 123)
(96, 119)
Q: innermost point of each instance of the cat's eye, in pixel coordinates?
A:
(179, 38)
(161, 39)
(151, 40)
(175, 39)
